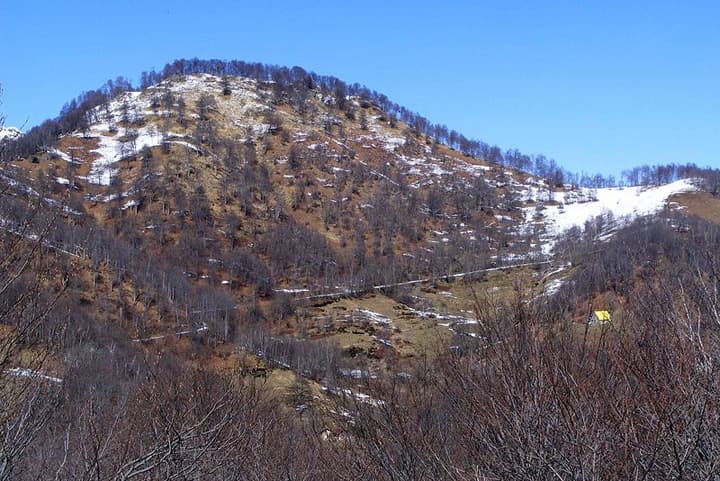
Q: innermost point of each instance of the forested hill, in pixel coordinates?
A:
(238, 271)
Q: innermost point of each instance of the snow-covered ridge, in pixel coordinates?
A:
(9, 133)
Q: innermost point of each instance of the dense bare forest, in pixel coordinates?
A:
(532, 396)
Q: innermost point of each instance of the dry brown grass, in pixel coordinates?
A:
(410, 334)
(701, 204)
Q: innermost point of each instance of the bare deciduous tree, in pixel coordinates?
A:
(27, 393)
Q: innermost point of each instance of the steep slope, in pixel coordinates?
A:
(315, 140)
(323, 166)
(250, 198)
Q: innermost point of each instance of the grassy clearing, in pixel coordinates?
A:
(378, 326)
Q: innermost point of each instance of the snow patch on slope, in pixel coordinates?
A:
(9, 133)
(242, 103)
(24, 372)
(624, 203)
(133, 108)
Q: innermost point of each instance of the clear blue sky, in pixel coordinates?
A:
(599, 86)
